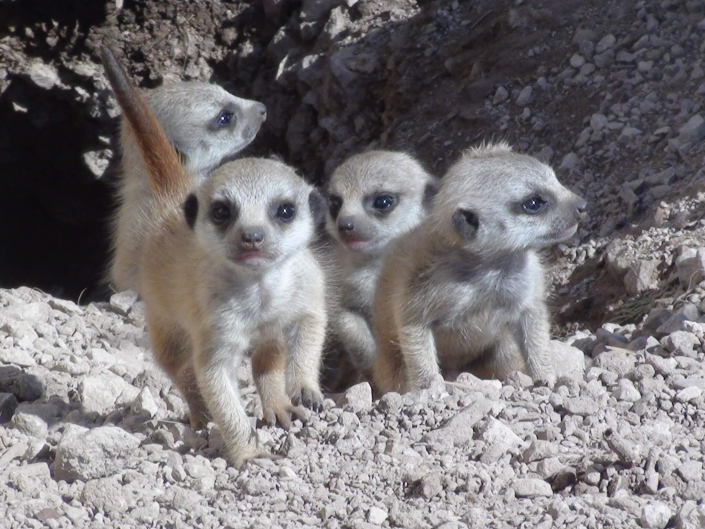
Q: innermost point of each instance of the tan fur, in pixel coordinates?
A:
(363, 233)
(188, 113)
(216, 289)
(465, 290)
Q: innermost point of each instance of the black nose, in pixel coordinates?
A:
(346, 225)
(253, 236)
(262, 110)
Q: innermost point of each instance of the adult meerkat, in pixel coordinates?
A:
(207, 126)
(225, 269)
(374, 198)
(467, 285)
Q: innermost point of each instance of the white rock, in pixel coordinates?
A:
(359, 397)
(525, 96)
(89, 454)
(145, 404)
(43, 75)
(655, 515)
(568, 361)
(500, 439)
(688, 394)
(377, 516)
(500, 95)
(103, 393)
(17, 357)
(569, 162)
(531, 488)
(122, 301)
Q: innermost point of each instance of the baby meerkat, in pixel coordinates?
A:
(207, 126)
(467, 285)
(374, 198)
(226, 269)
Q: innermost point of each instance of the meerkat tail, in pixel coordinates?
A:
(166, 173)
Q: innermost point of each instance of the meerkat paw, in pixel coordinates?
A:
(312, 398)
(282, 414)
(242, 455)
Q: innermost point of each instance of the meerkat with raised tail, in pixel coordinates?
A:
(374, 198)
(226, 269)
(467, 285)
(207, 126)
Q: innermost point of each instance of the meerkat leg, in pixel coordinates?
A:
(214, 361)
(359, 342)
(420, 356)
(533, 339)
(388, 372)
(304, 361)
(269, 373)
(172, 352)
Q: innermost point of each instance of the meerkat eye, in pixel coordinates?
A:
(286, 212)
(334, 205)
(533, 205)
(225, 118)
(220, 213)
(383, 202)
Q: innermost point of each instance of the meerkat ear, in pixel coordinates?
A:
(428, 194)
(318, 206)
(466, 223)
(191, 210)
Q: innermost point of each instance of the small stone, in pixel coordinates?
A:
(358, 397)
(144, 404)
(691, 471)
(581, 406)
(531, 488)
(459, 429)
(626, 391)
(29, 423)
(500, 95)
(102, 393)
(674, 323)
(655, 515)
(598, 122)
(88, 454)
(376, 515)
(569, 162)
(577, 60)
(605, 43)
(642, 276)
(568, 361)
(431, 485)
(691, 267)
(122, 301)
(500, 439)
(616, 362)
(43, 75)
(525, 96)
(681, 343)
(539, 450)
(688, 394)
(17, 357)
(693, 131)
(390, 402)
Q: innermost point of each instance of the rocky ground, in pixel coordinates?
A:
(611, 93)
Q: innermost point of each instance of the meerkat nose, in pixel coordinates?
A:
(253, 236)
(262, 110)
(581, 209)
(346, 224)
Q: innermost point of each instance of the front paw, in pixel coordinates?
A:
(310, 397)
(282, 414)
(241, 455)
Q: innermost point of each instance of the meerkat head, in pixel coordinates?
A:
(496, 200)
(375, 197)
(205, 123)
(253, 213)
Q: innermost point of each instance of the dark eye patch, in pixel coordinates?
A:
(220, 213)
(334, 205)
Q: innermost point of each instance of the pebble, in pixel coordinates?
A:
(655, 515)
(531, 488)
